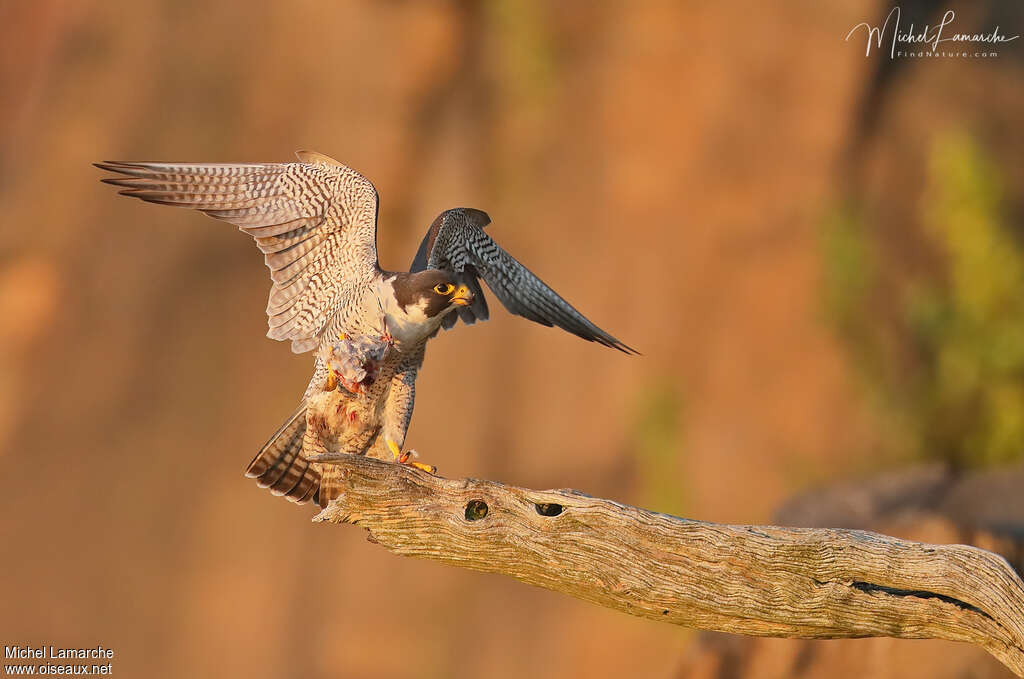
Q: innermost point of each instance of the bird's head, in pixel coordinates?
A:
(433, 292)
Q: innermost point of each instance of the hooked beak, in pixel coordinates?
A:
(462, 296)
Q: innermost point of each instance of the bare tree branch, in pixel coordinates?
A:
(756, 580)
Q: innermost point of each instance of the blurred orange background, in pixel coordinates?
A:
(675, 170)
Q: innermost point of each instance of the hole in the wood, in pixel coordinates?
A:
(476, 510)
(548, 509)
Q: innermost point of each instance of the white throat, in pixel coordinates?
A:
(409, 325)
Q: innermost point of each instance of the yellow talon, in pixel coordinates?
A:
(342, 335)
(404, 458)
(332, 381)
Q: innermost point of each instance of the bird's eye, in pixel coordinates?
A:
(444, 288)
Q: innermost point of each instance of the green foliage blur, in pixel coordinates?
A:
(656, 438)
(941, 353)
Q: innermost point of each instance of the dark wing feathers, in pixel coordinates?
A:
(315, 222)
(456, 242)
(419, 262)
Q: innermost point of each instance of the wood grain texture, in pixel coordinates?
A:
(755, 580)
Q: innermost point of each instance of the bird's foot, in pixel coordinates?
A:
(404, 459)
(407, 458)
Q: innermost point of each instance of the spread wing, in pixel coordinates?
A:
(456, 242)
(315, 222)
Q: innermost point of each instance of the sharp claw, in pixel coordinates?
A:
(406, 458)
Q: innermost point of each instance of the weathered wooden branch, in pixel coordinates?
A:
(756, 580)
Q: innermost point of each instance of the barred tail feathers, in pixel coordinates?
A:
(280, 465)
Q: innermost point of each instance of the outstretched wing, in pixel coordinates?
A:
(456, 242)
(315, 222)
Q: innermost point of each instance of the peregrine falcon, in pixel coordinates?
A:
(316, 223)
